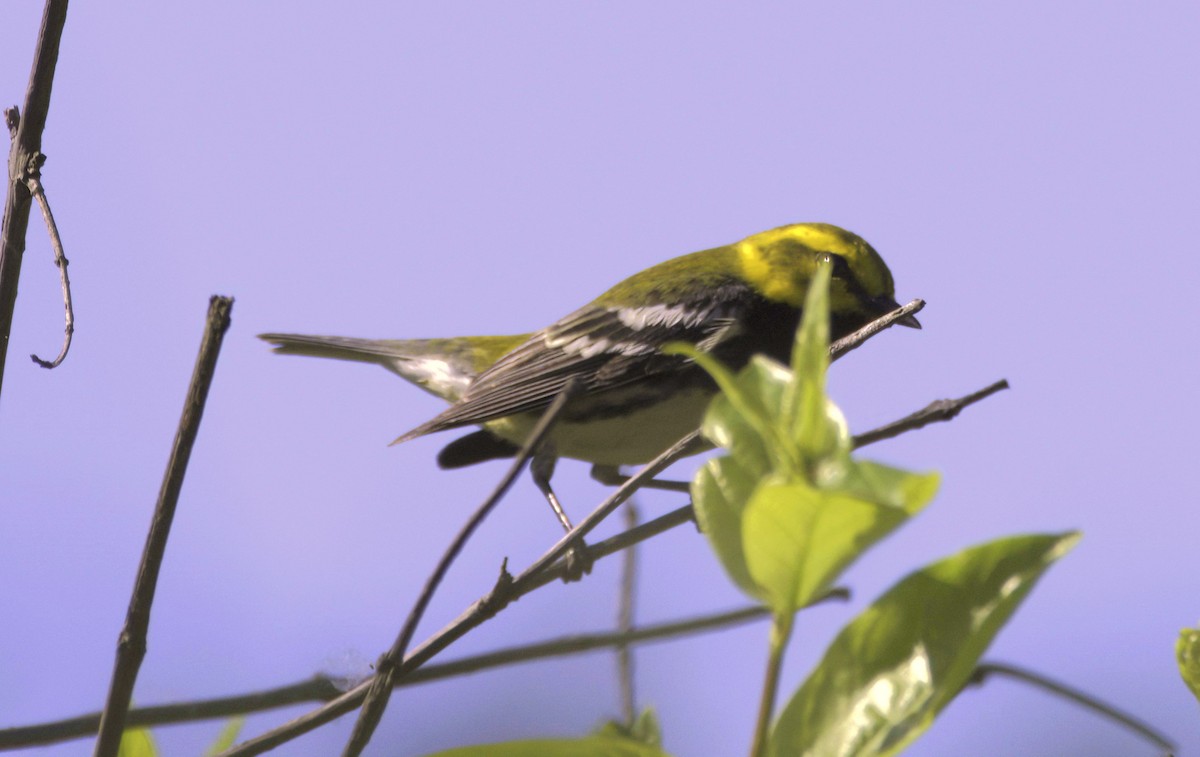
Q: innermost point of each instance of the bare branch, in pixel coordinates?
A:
(385, 670)
(855, 340)
(545, 570)
(131, 644)
(319, 688)
(26, 133)
(60, 260)
(986, 670)
(935, 412)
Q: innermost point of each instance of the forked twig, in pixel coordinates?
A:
(385, 670)
(506, 590)
(545, 570)
(26, 134)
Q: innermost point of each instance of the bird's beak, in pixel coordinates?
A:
(910, 321)
(887, 305)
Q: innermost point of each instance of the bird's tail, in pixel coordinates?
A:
(443, 367)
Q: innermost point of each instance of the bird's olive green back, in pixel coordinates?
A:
(676, 280)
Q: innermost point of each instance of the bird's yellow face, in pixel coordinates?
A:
(781, 262)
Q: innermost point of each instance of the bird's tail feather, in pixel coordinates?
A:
(379, 351)
(443, 367)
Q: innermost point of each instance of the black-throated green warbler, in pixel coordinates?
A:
(634, 400)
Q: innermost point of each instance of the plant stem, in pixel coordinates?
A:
(781, 631)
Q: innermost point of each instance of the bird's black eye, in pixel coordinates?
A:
(841, 266)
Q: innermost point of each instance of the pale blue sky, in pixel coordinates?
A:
(405, 170)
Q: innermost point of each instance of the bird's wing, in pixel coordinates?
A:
(604, 347)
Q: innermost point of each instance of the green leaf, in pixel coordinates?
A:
(227, 737)
(813, 422)
(797, 540)
(591, 746)
(744, 417)
(1187, 653)
(137, 742)
(749, 416)
(810, 352)
(719, 494)
(894, 667)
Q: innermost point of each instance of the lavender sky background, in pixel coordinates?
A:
(404, 170)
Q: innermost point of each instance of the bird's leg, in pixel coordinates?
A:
(611, 475)
(542, 468)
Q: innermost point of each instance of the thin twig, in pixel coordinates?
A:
(26, 132)
(626, 603)
(385, 670)
(322, 688)
(131, 644)
(60, 260)
(987, 669)
(506, 591)
(934, 412)
(855, 340)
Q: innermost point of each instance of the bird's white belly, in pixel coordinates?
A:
(635, 437)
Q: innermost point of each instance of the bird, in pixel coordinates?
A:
(632, 399)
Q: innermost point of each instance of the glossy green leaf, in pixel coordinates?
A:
(591, 746)
(810, 352)
(740, 416)
(1187, 653)
(813, 422)
(227, 737)
(137, 742)
(748, 426)
(719, 494)
(797, 539)
(894, 667)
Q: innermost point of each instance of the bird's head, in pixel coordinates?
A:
(781, 262)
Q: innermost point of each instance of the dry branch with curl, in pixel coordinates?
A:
(25, 160)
